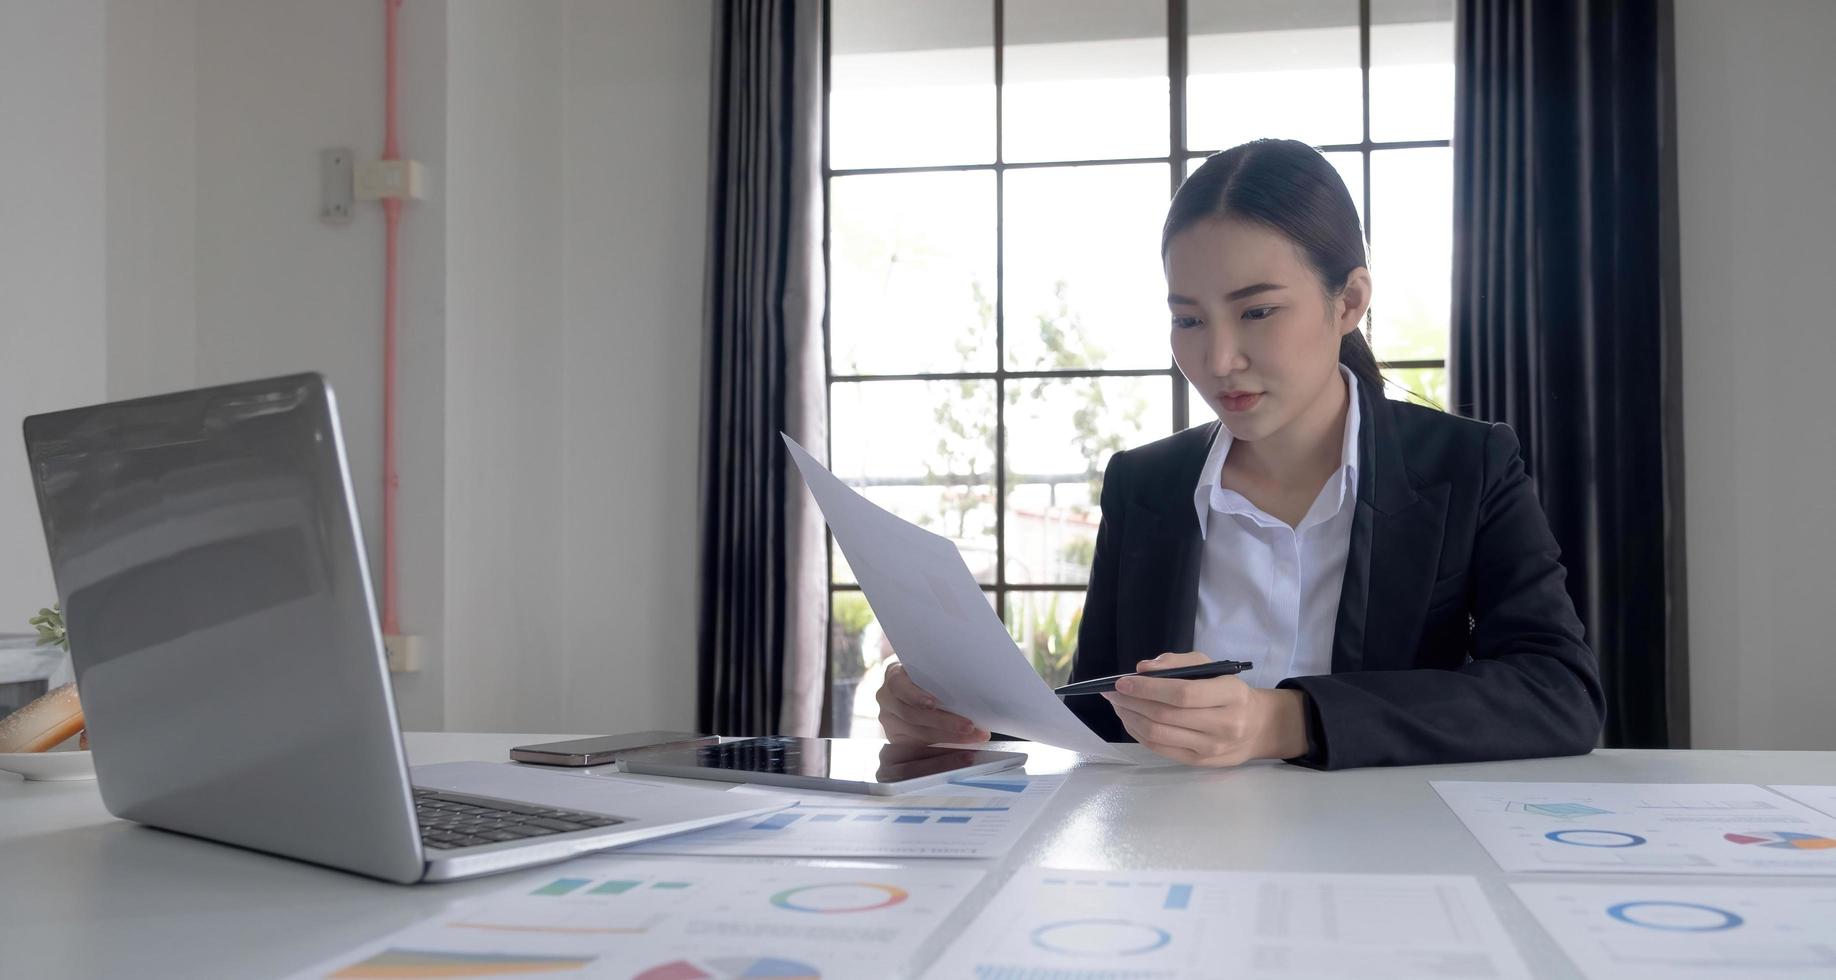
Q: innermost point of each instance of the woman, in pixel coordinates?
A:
(1385, 566)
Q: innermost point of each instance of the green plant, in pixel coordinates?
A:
(851, 613)
(50, 626)
(1050, 645)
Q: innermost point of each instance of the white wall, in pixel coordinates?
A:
(551, 304)
(279, 291)
(505, 657)
(636, 154)
(152, 200)
(1756, 147)
(53, 258)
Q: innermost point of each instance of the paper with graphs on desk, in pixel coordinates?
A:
(932, 610)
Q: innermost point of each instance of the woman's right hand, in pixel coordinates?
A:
(910, 716)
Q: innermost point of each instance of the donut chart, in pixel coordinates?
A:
(1675, 916)
(1099, 937)
(840, 897)
(1595, 838)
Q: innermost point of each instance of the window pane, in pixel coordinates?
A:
(1411, 252)
(1349, 164)
(925, 451)
(1060, 435)
(1084, 80)
(859, 655)
(856, 647)
(911, 84)
(1084, 283)
(1351, 170)
(1424, 386)
(1412, 70)
(1286, 70)
(1045, 624)
(912, 285)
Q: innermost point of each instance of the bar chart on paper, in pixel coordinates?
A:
(665, 919)
(1069, 925)
(972, 817)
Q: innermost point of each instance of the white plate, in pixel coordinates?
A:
(55, 764)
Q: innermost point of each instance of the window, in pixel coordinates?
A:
(995, 175)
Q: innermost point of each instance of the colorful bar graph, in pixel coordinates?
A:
(614, 887)
(561, 886)
(1178, 897)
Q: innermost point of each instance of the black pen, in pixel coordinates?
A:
(1216, 668)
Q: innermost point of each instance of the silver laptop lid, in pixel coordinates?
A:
(206, 550)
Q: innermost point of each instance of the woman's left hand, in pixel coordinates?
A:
(1216, 721)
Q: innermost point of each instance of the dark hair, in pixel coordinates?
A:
(1288, 186)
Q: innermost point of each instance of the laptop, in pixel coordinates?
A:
(207, 554)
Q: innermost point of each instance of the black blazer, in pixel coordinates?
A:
(1456, 640)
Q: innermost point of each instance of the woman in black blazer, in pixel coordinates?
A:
(1436, 627)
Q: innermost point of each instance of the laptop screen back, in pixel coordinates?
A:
(221, 624)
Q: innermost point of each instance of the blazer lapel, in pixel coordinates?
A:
(1394, 551)
(1160, 561)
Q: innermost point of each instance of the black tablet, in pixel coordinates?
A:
(841, 765)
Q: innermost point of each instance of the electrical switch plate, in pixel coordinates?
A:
(335, 185)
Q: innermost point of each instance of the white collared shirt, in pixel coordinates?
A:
(1268, 592)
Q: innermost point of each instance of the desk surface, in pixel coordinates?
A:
(86, 895)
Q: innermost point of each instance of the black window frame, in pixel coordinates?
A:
(1177, 160)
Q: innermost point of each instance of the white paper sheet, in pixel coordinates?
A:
(932, 610)
(675, 920)
(1680, 828)
(972, 817)
(1208, 924)
(1818, 797)
(1646, 932)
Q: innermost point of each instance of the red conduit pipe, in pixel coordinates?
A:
(392, 221)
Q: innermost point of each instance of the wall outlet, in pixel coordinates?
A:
(404, 653)
(405, 179)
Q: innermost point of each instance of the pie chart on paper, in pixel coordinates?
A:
(732, 968)
(1789, 839)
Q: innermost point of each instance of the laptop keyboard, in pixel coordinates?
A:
(450, 820)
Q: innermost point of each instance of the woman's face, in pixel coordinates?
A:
(1252, 328)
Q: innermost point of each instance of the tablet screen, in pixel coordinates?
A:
(847, 760)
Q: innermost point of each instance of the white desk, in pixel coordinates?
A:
(85, 895)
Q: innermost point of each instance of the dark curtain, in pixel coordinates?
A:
(1565, 313)
(760, 649)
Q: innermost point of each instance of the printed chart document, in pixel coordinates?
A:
(1681, 828)
(676, 920)
(970, 817)
(948, 637)
(1819, 797)
(1208, 924)
(1659, 932)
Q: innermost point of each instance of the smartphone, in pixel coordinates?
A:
(606, 749)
